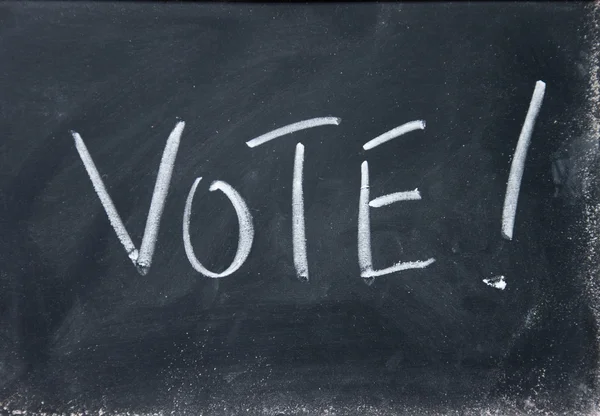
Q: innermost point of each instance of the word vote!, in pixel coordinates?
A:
(142, 258)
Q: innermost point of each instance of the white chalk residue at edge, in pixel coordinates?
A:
(246, 232)
(298, 227)
(142, 259)
(291, 128)
(518, 163)
(395, 132)
(497, 282)
(365, 260)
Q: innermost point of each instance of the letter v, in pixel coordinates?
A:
(142, 259)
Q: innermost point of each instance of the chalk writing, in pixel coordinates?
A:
(518, 163)
(291, 128)
(365, 260)
(395, 132)
(298, 227)
(246, 233)
(142, 259)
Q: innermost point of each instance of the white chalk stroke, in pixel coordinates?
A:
(298, 227)
(142, 259)
(395, 132)
(496, 282)
(388, 199)
(246, 232)
(518, 163)
(291, 128)
(365, 259)
(298, 219)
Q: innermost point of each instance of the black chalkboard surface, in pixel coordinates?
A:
(299, 209)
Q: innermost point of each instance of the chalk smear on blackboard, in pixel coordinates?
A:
(496, 282)
(518, 163)
(142, 259)
(246, 231)
(365, 259)
(298, 226)
(395, 132)
(294, 127)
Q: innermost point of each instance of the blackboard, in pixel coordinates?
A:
(397, 211)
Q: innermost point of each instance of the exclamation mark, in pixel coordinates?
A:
(518, 163)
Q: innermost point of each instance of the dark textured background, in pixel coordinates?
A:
(81, 329)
